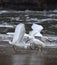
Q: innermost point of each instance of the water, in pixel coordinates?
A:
(27, 60)
(8, 22)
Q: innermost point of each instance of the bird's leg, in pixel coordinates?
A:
(40, 49)
(14, 49)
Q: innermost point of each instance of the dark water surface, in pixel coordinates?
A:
(35, 58)
(27, 59)
(9, 56)
(48, 55)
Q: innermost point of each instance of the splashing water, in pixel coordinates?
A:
(48, 19)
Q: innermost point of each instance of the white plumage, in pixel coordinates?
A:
(21, 39)
(19, 33)
(18, 36)
(36, 30)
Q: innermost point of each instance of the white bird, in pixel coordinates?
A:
(21, 39)
(33, 40)
(36, 30)
(18, 36)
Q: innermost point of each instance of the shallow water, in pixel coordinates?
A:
(8, 56)
(27, 60)
(48, 55)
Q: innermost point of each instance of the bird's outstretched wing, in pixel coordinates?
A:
(36, 30)
(19, 33)
(37, 27)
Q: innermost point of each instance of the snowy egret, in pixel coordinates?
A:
(18, 36)
(21, 39)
